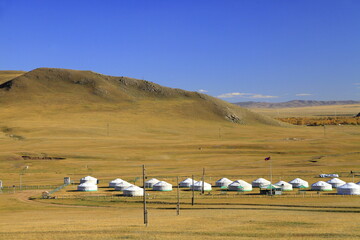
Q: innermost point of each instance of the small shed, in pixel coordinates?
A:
(271, 190)
(162, 186)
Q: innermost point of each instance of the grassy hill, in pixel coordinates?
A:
(8, 75)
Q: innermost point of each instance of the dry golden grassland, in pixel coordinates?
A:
(170, 146)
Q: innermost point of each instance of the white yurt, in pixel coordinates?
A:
(162, 186)
(260, 182)
(114, 182)
(299, 183)
(321, 186)
(335, 182)
(349, 189)
(133, 191)
(223, 182)
(198, 186)
(285, 186)
(89, 179)
(358, 183)
(240, 185)
(87, 187)
(122, 185)
(186, 183)
(150, 183)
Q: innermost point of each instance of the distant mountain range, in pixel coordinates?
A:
(293, 104)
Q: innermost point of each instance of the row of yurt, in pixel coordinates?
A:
(240, 185)
(88, 184)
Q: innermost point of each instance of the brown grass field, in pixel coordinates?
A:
(111, 140)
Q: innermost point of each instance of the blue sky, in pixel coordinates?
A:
(240, 50)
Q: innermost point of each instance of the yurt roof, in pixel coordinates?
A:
(162, 183)
(118, 180)
(261, 180)
(88, 178)
(240, 182)
(350, 185)
(282, 183)
(133, 188)
(321, 183)
(199, 183)
(188, 180)
(123, 183)
(224, 180)
(335, 180)
(153, 180)
(297, 180)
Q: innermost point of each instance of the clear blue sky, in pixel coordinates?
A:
(240, 50)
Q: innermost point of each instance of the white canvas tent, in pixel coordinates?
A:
(260, 183)
(335, 182)
(240, 185)
(299, 183)
(285, 186)
(113, 183)
(162, 186)
(150, 183)
(186, 183)
(122, 185)
(89, 179)
(133, 191)
(223, 182)
(87, 187)
(349, 189)
(321, 186)
(198, 186)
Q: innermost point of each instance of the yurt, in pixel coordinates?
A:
(150, 183)
(89, 179)
(133, 191)
(162, 186)
(335, 182)
(358, 183)
(122, 185)
(113, 183)
(223, 182)
(186, 183)
(198, 186)
(87, 187)
(260, 182)
(240, 185)
(299, 183)
(321, 186)
(349, 189)
(285, 186)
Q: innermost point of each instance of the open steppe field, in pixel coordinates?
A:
(104, 142)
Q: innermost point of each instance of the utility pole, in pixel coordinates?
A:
(192, 189)
(203, 183)
(178, 197)
(144, 198)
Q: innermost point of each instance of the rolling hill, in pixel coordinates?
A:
(54, 89)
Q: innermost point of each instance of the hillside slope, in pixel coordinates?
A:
(51, 88)
(7, 75)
